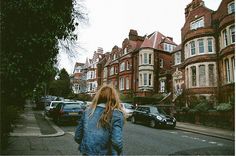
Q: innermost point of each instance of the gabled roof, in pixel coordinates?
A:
(153, 40)
(147, 43)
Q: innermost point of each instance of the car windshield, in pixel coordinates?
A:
(157, 110)
(72, 106)
(128, 106)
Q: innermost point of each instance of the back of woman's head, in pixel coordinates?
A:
(109, 96)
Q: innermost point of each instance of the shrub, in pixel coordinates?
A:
(224, 107)
(202, 107)
(9, 114)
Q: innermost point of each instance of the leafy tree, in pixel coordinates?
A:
(61, 87)
(30, 33)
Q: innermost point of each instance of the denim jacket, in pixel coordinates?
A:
(96, 140)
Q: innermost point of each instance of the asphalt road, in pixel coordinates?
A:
(143, 140)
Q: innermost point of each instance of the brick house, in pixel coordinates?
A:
(224, 19)
(78, 79)
(206, 52)
(141, 66)
(202, 65)
(152, 65)
(91, 71)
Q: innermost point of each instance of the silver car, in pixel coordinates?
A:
(49, 107)
(128, 109)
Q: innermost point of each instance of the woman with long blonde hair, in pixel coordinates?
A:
(100, 128)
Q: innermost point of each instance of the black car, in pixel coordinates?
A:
(67, 112)
(153, 116)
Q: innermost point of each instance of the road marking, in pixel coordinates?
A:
(185, 136)
(212, 142)
(194, 138)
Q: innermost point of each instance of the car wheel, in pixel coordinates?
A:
(133, 119)
(152, 123)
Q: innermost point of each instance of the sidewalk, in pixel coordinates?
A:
(205, 130)
(32, 123)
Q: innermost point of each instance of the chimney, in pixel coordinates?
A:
(133, 34)
(100, 50)
(194, 4)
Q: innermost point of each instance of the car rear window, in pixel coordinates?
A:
(72, 106)
(54, 104)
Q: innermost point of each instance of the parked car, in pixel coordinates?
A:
(153, 116)
(43, 101)
(88, 103)
(67, 112)
(49, 107)
(128, 108)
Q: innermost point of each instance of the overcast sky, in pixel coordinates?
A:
(111, 20)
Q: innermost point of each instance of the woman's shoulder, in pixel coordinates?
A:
(117, 112)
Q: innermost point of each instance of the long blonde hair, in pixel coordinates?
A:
(108, 95)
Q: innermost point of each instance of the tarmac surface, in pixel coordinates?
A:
(33, 124)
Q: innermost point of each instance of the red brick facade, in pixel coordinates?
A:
(202, 65)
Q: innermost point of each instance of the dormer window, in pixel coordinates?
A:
(231, 7)
(168, 47)
(197, 24)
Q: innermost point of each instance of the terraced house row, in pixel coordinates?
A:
(202, 65)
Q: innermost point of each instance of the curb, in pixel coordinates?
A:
(207, 134)
(60, 132)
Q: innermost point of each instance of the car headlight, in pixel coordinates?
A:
(159, 117)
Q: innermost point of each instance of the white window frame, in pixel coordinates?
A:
(127, 83)
(177, 58)
(112, 71)
(162, 86)
(232, 34)
(122, 83)
(122, 66)
(145, 79)
(225, 37)
(210, 45)
(227, 70)
(231, 7)
(198, 23)
(125, 51)
(202, 75)
(201, 46)
(165, 46)
(145, 58)
(233, 68)
(192, 48)
(127, 65)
